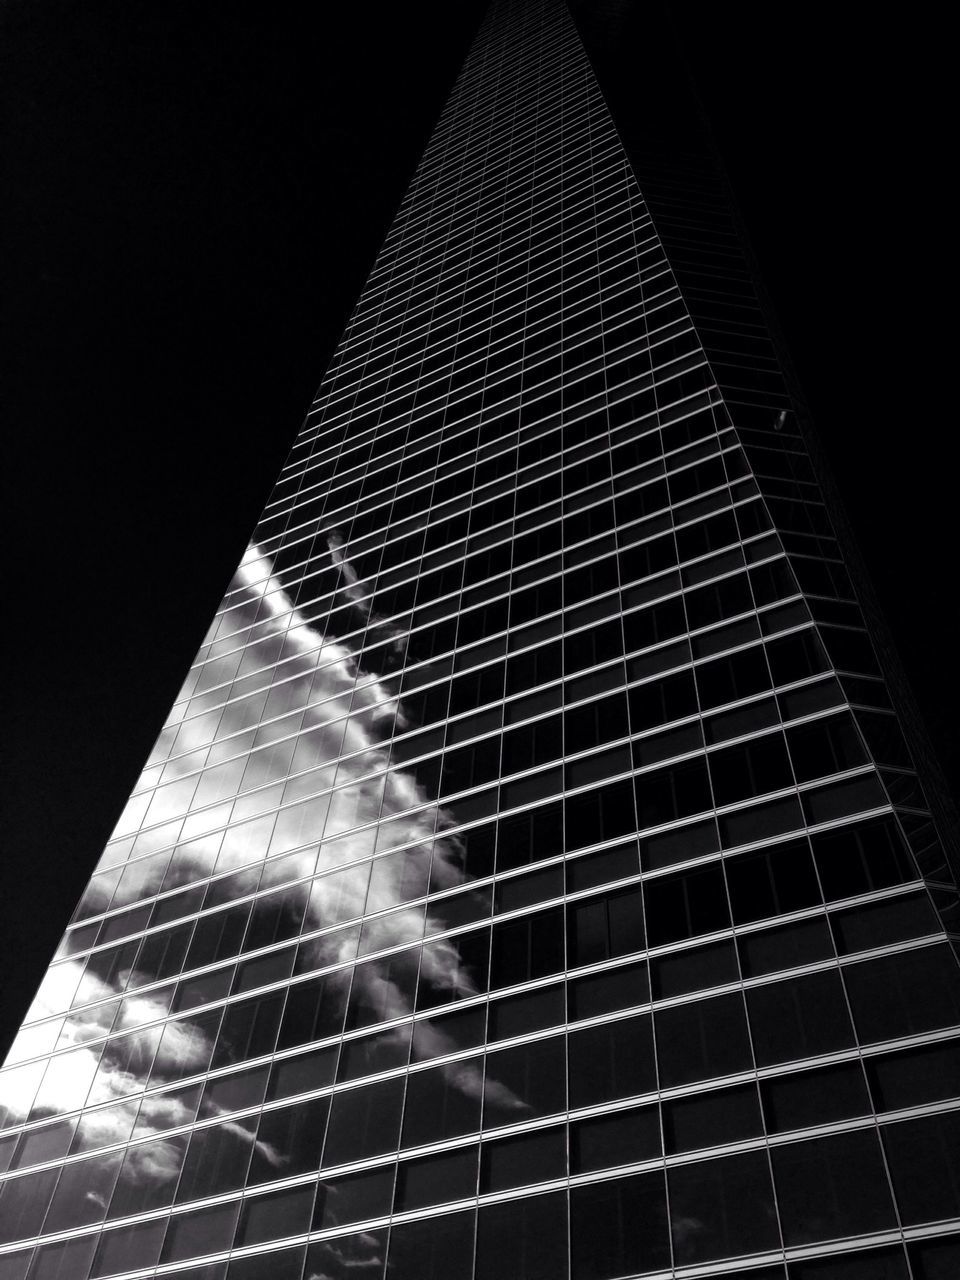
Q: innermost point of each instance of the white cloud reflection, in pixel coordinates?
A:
(301, 717)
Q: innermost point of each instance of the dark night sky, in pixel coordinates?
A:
(197, 193)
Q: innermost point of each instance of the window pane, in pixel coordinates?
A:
(721, 1208)
(832, 1187)
(619, 1228)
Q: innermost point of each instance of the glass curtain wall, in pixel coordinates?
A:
(532, 879)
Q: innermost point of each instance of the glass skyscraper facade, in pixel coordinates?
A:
(532, 878)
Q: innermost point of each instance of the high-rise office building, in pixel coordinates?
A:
(532, 879)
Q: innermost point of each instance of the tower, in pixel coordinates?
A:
(532, 878)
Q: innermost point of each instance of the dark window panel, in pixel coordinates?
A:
(203, 1231)
(601, 814)
(832, 1187)
(928, 1073)
(529, 1011)
(275, 1216)
(803, 1099)
(528, 837)
(878, 924)
(306, 1071)
(604, 927)
(686, 904)
(622, 1137)
(217, 1160)
(437, 1179)
(461, 1029)
(677, 792)
(712, 1119)
(760, 822)
(669, 847)
(785, 947)
(860, 857)
(750, 769)
(904, 994)
(284, 1264)
(702, 1040)
(528, 1158)
(772, 881)
(442, 1102)
(526, 948)
(695, 969)
(661, 701)
(363, 1122)
(727, 680)
(525, 1237)
(619, 1228)
(825, 746)
(722, 1208)
(249, 1029)
(314, 1009)
(600, 867)
(799, 1018)
(524, 1082)
(924, 1157)
(937, 1259)
(612, 1061)
(432, 1249)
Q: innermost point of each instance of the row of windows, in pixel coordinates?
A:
(793, 1018)
(848, 861)
(625, 368)
(821, 1189)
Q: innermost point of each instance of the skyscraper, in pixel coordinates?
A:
(532, 878)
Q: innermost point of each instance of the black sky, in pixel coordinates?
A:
(195, 195)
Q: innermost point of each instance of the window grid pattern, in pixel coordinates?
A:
(531, 877)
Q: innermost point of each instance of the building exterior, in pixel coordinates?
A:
(532, 878)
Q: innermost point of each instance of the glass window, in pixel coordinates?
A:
(527, 1158)
(857, 858)
(711, 1119)
(604, 926)
(528, 947)
(903, 994)
(442, 1102)
(524, 1082)
(303, 1073)
(622, 1137)
(127, 1248)
(606, 992)
(23, 1203)
(806, 1098)
(877, 924)
(282, 1264)
(216, 1160)
(721, 1208)
(148, 1177)
(832, 1187)
(772, 881)
(353, 1198)
(695, 969)
(289, 1140)
(935, 1259)
(686, 904)
(702, 1040)
(928, 1073)
(203, 1231)
(924, 1158)
(619, 1228)
(523, 1238)
(785, 947)
(678, 792)
(528, 1011)
(799, 1018)
(364, 1122)
(436, 1179)
(356, 1257)
(432, 1249)
(750, 769)
(249, 1029)
(615, 1060)
(275, 1216)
